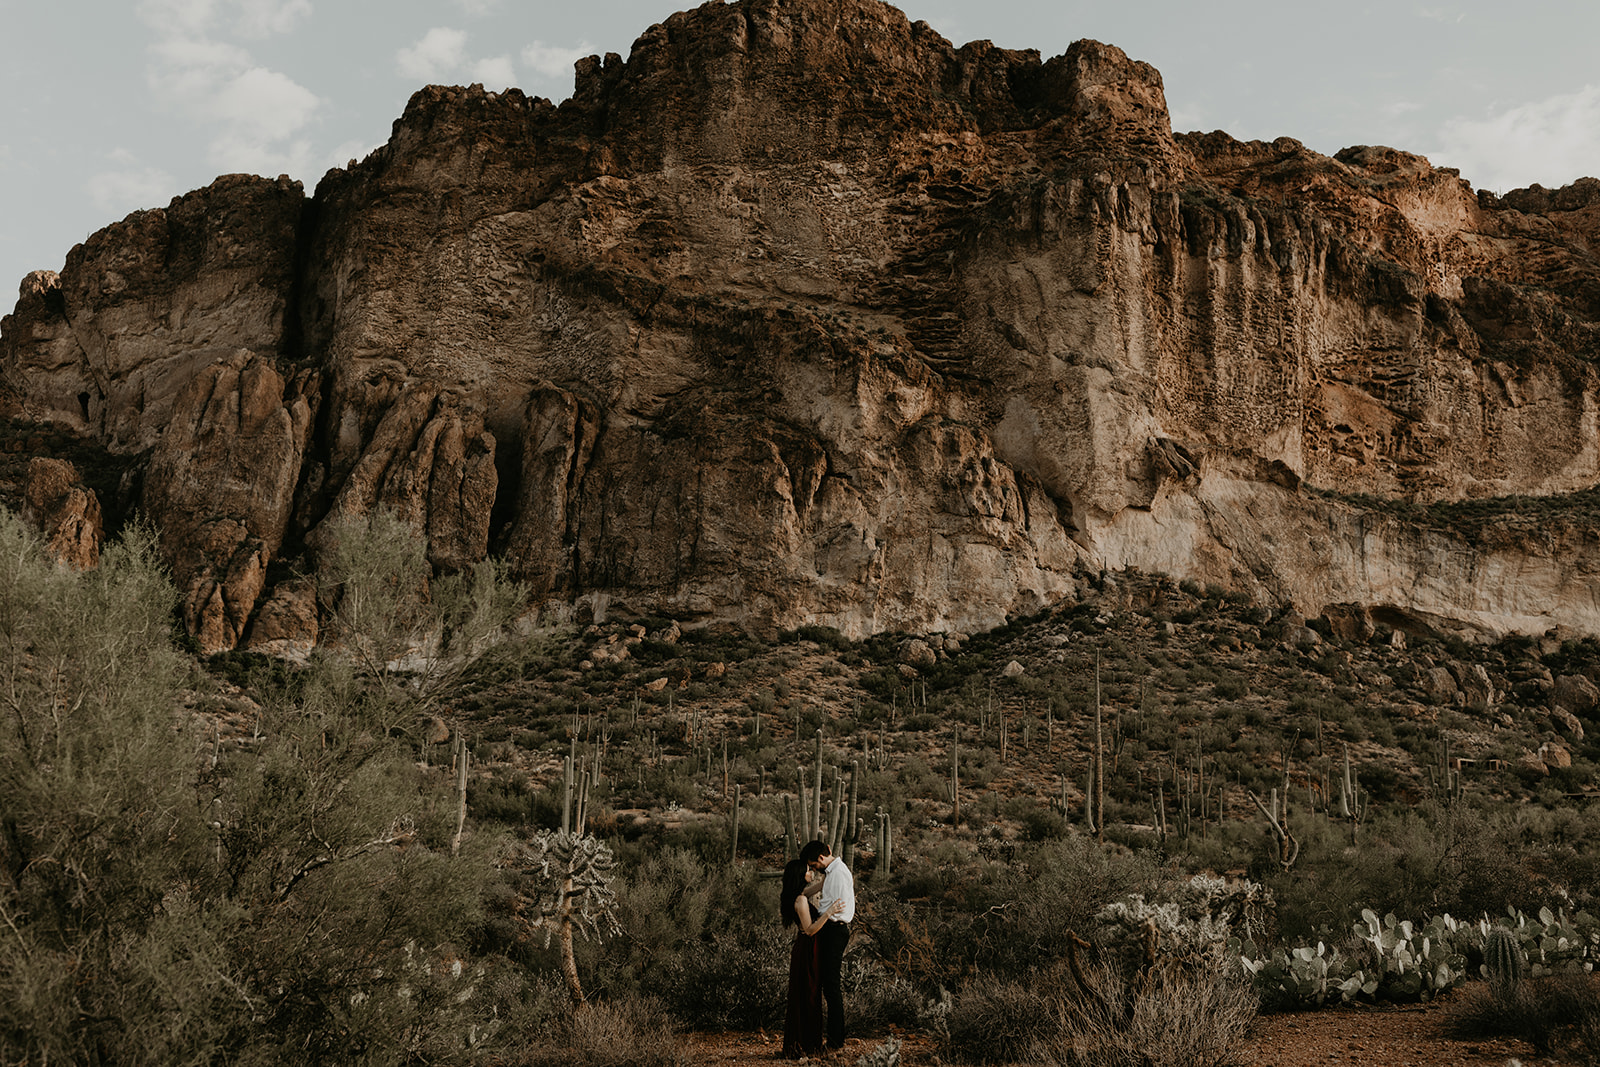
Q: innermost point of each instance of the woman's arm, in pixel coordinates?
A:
(813, 887)
(803, 909)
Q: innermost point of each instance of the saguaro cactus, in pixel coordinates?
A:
(1287, 845)
(1502, 959)
(885, 843)
(1352, 806)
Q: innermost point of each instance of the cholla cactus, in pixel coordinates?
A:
(1194, 923)
(885, 1055)
(565, 885)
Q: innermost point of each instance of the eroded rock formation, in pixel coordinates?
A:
(802, 314)
(66, 512)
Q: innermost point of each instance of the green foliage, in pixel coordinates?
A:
(886, 1054)
(172, 892)
(415, 635)
(1397, 959)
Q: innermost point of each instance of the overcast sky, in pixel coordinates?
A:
(114, 105)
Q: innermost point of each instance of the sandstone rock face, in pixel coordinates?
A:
(64, 511)
(428, 460)
(220, 487)
(286, 624)
(802, 314)
(145, 304)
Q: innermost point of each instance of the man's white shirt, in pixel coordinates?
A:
(838, 884)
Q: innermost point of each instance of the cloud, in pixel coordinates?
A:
(440, 52)
(263, 18)
(1551, 142)
(202, 18)
(264, 104)
(1398, 108)
(477, 7)
(441, 55)
(495, 74)
(255, 114)
(552, 61)
(129, 185)
(179, 18)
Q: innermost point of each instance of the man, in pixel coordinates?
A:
(837, 884)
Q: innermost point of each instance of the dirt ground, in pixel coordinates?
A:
(1410, 1036)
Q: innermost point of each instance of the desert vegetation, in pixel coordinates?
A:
(1111, 833)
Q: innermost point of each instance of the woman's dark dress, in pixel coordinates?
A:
(802, 1030)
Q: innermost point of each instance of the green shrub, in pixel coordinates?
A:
(730, 980)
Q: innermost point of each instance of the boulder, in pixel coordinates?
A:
(1576, 693)
(1437, 685)
(1555, 755)
(1568, 722)
(914, 652)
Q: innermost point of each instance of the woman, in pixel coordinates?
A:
(802, 1029)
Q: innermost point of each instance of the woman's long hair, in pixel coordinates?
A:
(794, 883)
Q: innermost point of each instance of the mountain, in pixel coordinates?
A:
(803, 315)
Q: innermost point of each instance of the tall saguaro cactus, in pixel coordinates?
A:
(1352, 806)
(1287, 846)
(1097, 769)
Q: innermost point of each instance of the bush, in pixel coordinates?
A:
(174, 897)
(1175, 1017)
(1551, 1014)
(633, 1032)
(729, 981)
(876, 998)
(996, 1020)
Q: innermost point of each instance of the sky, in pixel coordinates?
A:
(111, 106)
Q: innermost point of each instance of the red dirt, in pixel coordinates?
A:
(1411, 1036)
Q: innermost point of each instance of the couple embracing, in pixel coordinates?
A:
(819, 896)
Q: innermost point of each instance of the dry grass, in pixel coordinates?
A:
(1558, 1013)
(1178, 1017)
(1173, 1016)
(628, 1033)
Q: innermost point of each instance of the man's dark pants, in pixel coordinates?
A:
(831, 943)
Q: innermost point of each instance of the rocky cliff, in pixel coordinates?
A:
(801, 314)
